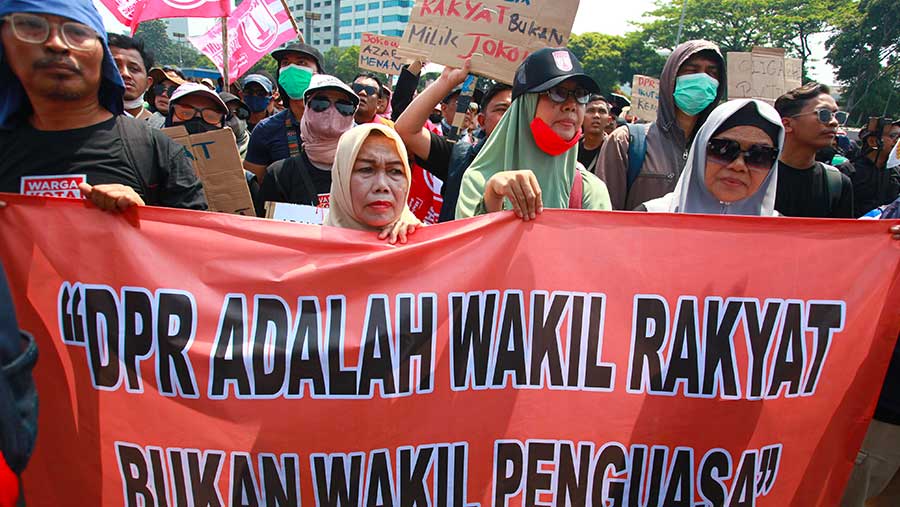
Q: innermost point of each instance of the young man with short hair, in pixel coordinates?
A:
(596, 119)
(807, 188)
(874, 184)
(134, 62)
(367, 87)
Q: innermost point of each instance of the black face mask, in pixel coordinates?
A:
(198, 126)
(435, 117)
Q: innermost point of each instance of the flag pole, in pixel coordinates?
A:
(293, 21)
(225, 83)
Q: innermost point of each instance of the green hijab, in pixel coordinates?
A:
(511, 147)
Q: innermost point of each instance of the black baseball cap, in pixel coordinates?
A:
(477, 95)
(546, 68)
(303, 49)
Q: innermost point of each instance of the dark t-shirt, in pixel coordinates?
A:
(586, 157)
(804, 193)
(268, 141)
(438, 160)
(32, 161)
(284, 182)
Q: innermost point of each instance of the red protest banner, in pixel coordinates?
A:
(585, 357)
(123, 10)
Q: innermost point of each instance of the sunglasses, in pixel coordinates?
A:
(35, 29)
(255, 92)
(726, 151)
(209, 115)
(320, 104)
(359, 87)
(825, 115)
(161, 89)
(559, 94)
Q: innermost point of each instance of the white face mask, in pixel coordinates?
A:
(134, 104)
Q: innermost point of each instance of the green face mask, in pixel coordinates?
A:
(295, 80)
(695, 92)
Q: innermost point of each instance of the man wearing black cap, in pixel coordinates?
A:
(62, 131)
(278, 137)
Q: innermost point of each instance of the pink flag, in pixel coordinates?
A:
(256, 28)
(155, 9)
(123, 10)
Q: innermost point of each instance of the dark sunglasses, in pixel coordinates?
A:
(161, 89)
(559, 95)
(726, 151)
(825, 115)
(359, 87)
(320, 104)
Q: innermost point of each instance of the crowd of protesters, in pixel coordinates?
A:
(76, 101)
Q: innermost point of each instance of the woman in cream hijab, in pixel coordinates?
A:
(370, 184)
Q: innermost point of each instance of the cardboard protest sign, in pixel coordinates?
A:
(764, 74)
(296, 213)
(645, 97)
(218, 165)
(496, 34)
(343, 366)
(380, 53)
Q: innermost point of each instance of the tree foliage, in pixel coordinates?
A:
(738, 25)
(866, 54)
(613, 60)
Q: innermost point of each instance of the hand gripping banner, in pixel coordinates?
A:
(585, 358)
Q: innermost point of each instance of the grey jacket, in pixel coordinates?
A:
(667, 144)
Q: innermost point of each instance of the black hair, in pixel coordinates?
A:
(596, 96)
(492, 92)
(792, 102)
(369, 75)
(125, 42)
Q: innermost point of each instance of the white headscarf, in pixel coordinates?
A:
(691, 194)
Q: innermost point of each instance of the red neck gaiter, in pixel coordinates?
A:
(549, 141)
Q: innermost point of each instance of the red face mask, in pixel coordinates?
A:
(549, 141)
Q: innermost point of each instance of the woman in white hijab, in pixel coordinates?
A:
(732, 164)
(370, 184)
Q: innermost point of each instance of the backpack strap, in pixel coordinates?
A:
(137, 138)
(576, 196)
(834, 185)
(637, 151)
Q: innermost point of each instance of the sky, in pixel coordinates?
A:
(592, 16)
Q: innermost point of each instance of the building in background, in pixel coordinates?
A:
(330, 23)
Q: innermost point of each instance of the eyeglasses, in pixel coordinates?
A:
(35, 29)
(259, 92)
(160, 89)
(726, 151)
(320, 103)
(212, 116)
(559, 94)
(359, 87)
(825, 115)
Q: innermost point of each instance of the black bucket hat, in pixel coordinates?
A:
(546, 68)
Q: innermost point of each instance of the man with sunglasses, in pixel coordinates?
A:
(306, 178)
(874, 184)
(367, 87)
(807, 188)
(165, 81)
(62, 131)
